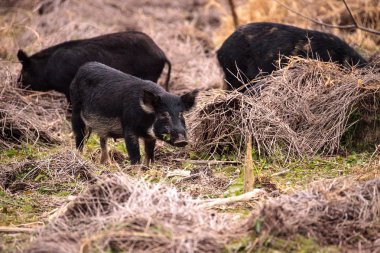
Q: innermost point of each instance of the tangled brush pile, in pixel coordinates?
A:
(62, 170)
(300, 110)
(120, 214)
(26, 116)
(336, 212)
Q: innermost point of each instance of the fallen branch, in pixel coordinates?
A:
(17, 230)
(207, 162)
(353, 26)
(191, 177)
(280, 173)
(208, 203)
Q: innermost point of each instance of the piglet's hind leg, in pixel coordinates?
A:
(104, 157)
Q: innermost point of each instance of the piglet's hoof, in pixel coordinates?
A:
(143, 167)
(139, 167)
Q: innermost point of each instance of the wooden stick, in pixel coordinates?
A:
(349, 12)
(209, 162)
(208, 203)
(280, 173)
(196, 175)
(16, 230)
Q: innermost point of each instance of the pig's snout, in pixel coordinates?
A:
(181, 141)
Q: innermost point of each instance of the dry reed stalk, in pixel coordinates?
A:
(249, 179)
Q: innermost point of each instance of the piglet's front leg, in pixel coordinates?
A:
(149, 151)
(132, 144)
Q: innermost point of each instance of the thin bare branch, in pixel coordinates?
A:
(351, 15)
(17, 230)
(254, 194)
(208, 162)
(314, 20)
(353, 26)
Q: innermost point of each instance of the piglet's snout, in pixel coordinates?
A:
(181, 141)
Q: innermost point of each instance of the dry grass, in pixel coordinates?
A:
(335, 212)
(121, 214)
(54, 173)
(302, 109)
(27, 117)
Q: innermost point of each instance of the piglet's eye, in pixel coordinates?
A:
(164, 115)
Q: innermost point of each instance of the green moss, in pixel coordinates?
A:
(16, 209)
(271, 244)
(26, 151)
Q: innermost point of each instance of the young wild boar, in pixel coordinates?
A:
(117, 105)
(54, 68)
(255, 48)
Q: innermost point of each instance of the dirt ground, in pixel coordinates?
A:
(44, 181)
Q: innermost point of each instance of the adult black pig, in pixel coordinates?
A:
(255, 48)
(117, 105)
(131, 52)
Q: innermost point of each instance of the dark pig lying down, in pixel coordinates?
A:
(54, 68)
(117, 105)
(255, 48)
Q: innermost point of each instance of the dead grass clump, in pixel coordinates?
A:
(336, 212)
(58, 172)
(300, 110)
(28, 117)
(202, 181)
(120, 214)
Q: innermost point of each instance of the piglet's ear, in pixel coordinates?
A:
(149, 101)
(189, 99)
(22, 56)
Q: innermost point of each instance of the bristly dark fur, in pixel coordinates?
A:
(131, 52)
(118, 105)
(255, 48)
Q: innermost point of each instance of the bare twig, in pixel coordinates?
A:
(208, 203)
(213, 162)
(16, 230)
(280, 173)
(353, 26)
(191, 177)
(349, 11)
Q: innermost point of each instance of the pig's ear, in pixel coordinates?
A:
(149, 101)
(188, 99)
(22, 57)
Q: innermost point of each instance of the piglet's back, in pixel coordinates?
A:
(105, 89)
